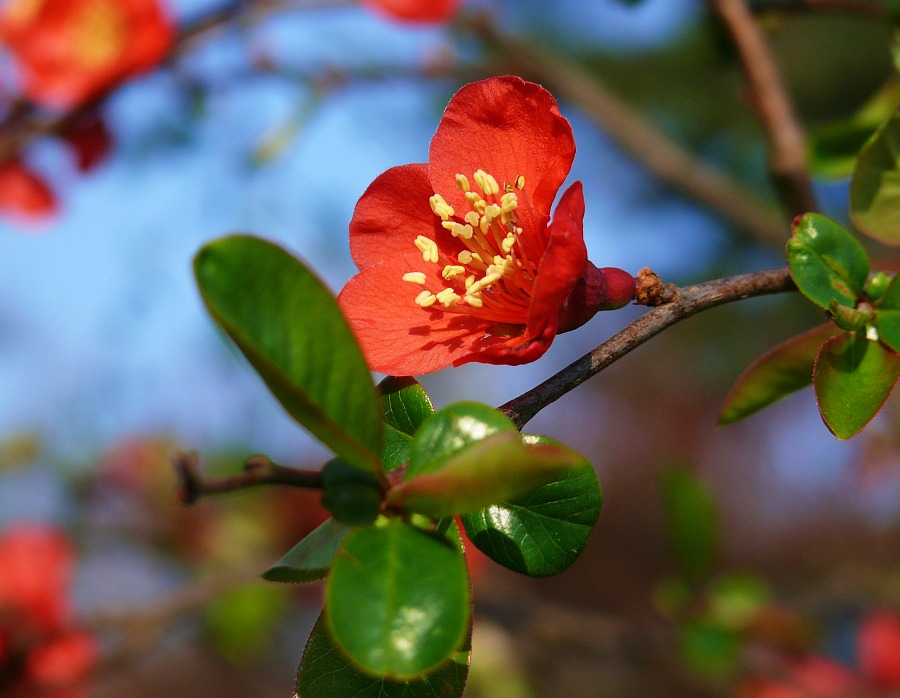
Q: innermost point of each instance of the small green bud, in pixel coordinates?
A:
(877, 286)
(850, 319)
(350, 494)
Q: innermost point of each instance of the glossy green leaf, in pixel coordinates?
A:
(324, 672)
(887, 314)
(492, 470)
(692, 523)
(875, 184)
(352, 496)
(826, 261)
(451, 429)
(310, 559)
(542, 532)
(406, 405)
(289, 326)
(397, 600)
(780, 371)
(853, 376)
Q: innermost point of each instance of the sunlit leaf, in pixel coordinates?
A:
(324, 672)
(451, 429)
(397, 600)
(542, 532)
(853, 376)
(290, 328)
(780, 371)
(875, 184)
(826, 261)
(887, 315)
(310, 559)
(496, 468)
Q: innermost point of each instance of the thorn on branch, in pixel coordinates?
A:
(652, 291)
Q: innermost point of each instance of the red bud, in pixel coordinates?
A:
(599, 289)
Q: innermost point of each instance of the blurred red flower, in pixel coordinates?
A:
(89, 140)
(416, 10)
(69, 51)
(878, 649)
(40, 653)
(24, 196)
(459, 260)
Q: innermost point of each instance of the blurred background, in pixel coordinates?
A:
(724, 557)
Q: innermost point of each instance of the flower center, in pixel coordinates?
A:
(99, 34)
(492, 277)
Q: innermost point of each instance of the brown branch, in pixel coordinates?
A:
(258, 470)
(690, 300)
(639, 136)
(787, 143)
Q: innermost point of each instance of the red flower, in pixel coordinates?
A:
(89, 140)
(23, 194)
(69, 51)
(459, 260)
(416, 10)
(39, 653)
(878, 649)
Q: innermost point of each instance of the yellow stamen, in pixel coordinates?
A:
(508, 242)
(472, 197)
(520, 182)
(458, 230)
(472, 218)
(440, 207)
(428, 248)
(452, 270)
(509, 202)
(484, 283)
(447, 297)
(486, 183)
(473, 301)
(415, 277)
(426, 299)
(464, 257)
(462, 182)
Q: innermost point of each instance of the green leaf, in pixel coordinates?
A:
(540, 533)
(324, 672)
(826, 261)
(451, 429)
(708, 648)
(352, 496)
(406, 405)
(887, 315)
(833, 148)
(875, 185)
(692, 523)
(780, 371)
(853, 377)
(291, 330)
(489, 471)
(397, 600)
(310, 559)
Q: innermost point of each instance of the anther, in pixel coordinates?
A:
(452, 270)
(520, 182)
(486, 182)
(440, 207)
(447, 297)
(474, 301)
(462, 182)
(471, 218)
(464, 257)
(508, 242)
(428, 248)
(426, 299)
(415, 277)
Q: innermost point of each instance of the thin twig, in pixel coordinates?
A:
(690, 300)
(787, 143)
(258, 470)
(639, 136)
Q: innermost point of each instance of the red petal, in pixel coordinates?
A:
(563, 263)
(878, 649)
(391, 213)
(397, 336)
(416, 10)
(63, 661)
(506, 127)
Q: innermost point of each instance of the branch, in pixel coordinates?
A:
(867, 9)
(639, 137)
(787, 143)
(258, 470)
(690, 300)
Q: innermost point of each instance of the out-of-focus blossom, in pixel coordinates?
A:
(24, 196)
(69, 51)
(40, 652)
(459, 259)
(416, 10)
